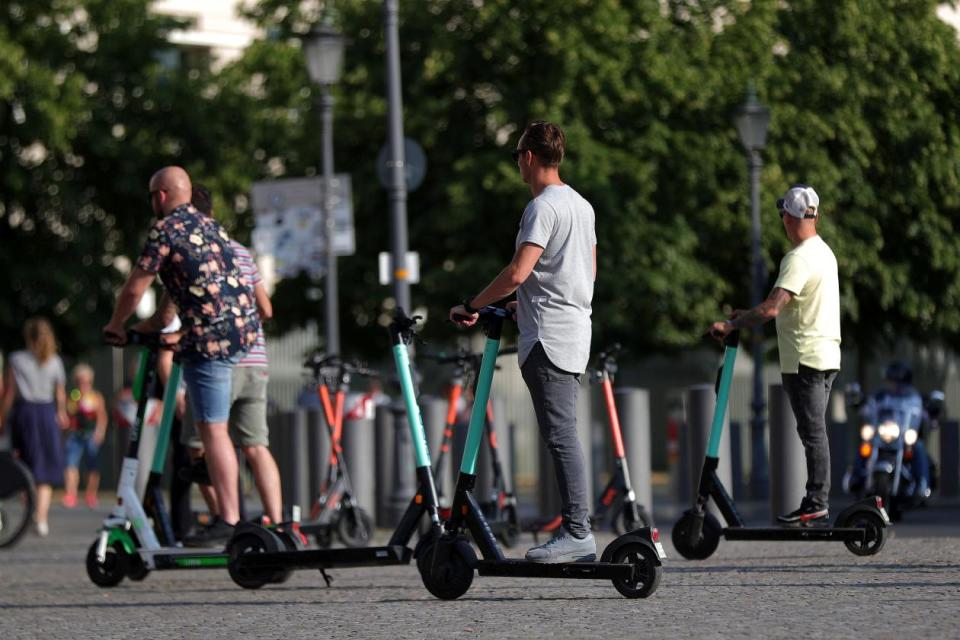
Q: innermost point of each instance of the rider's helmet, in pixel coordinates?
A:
(898, 372)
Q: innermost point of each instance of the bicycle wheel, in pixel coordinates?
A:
(18, 499)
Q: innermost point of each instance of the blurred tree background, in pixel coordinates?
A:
(863, 96)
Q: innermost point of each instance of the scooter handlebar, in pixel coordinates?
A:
(136, 338)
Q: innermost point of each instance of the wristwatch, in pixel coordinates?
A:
(467, 306)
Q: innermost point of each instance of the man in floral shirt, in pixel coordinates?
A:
(197, 266)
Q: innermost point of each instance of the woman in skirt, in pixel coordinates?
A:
(35, 410)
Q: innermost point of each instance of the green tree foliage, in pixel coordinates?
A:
(863, 97)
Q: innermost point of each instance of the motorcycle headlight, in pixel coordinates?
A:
(889, 431)
(910, 437)
(867, 431)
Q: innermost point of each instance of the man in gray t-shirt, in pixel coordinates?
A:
(552, 271)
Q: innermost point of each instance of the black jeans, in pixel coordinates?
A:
(809, 391)
(554, 393)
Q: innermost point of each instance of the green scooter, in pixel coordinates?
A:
(137, 537)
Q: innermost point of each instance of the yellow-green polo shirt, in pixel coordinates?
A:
(808, 328)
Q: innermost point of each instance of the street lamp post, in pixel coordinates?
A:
(752, 120)
(323, 48)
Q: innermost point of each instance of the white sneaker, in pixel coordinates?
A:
(565, 548)
(43, 529)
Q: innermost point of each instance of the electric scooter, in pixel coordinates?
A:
(447, 561)
(618, 509)
(862, 527)
(336, 508)
(501, 507)
(253, 560)
(137, 537)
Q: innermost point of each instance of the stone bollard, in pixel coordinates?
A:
(434, 412)
(633, 408)
(383, 455)
(403, 484)
(950, 459)
(699, 403)
(358, 449)
(788, 465)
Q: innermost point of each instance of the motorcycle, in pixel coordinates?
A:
(892, 460)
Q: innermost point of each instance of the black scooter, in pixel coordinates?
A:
(255, 553)
(447, 561)
(862, 527)
(501, 507)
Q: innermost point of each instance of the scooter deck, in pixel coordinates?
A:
(188, 559)
(813, 534)
(328, 558)
(584, 570)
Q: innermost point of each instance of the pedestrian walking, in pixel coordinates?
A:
(35, 409)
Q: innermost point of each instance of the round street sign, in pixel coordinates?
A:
(415, 164)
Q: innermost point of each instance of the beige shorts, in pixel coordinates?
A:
(248, 410)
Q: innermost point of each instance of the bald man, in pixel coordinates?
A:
(204, 283)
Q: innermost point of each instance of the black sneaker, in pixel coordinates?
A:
(214, 534)
(807, 515)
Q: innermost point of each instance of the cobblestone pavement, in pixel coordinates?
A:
(769, 590)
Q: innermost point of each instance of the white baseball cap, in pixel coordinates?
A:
(800, 201)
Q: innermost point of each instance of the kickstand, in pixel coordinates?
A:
(326, 578)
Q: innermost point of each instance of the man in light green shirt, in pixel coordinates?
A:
(806, 304)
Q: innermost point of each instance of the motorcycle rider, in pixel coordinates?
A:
(898, 384)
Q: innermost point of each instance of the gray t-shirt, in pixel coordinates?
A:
(37, 382)
(554, 302)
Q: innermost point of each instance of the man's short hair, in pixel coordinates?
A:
(202, 199)
(546, 140)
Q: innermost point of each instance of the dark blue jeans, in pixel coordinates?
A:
(554, 393)
(808, 391)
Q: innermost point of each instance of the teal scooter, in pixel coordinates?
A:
(253, 559)
(862, 526)
(633, 561)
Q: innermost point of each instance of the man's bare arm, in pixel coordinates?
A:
(763, 312)
(138, 282)
(510, 279)
(264, 306)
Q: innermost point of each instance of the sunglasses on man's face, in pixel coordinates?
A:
(516, 153)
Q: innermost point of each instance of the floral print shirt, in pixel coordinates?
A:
(196, 264)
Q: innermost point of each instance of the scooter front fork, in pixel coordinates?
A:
(102, 545)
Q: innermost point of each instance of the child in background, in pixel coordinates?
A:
(88, 427)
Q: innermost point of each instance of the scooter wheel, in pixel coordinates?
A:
(136, 568)
(112, 570)
(510, 532)
(876, 533)
(355, 527)
(709, 537)
(445, 571)
(647, 570)
(249, 543)
(291, 542)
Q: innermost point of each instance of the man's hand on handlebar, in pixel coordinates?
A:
(114, 334)
(512, 308)
(721, 330)
(460, 317)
